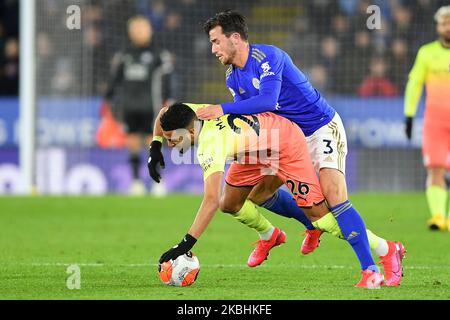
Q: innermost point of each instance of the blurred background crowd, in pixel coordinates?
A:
(9, 47)
(328, 39)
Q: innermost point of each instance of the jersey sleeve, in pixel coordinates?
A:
(270, 71)
(116, 77)
(195, 106)
(415, 84)
(212, 153)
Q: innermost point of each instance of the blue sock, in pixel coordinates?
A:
(354, 230)
(283, 204)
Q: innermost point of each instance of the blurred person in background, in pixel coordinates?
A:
(330, 51)
(377, 83)
(319, 77)
(399, 59)
(355, 61)
(9, 68)
(402, 23)
(143, 73)
(432, 68)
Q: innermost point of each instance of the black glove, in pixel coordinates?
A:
(183, 247)
(155, 160)
(408, 127)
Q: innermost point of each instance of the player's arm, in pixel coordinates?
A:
(211, 154)
(114, 81)
(205, 214)
(167, 77)
(209, 206)
(413, 91)
(156, 157)
(116, 76)
(271, 69)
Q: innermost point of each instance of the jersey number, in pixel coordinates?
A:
(254, 124)
(302, 188)
(330, 149)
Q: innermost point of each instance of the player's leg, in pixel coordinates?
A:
(239, 183)
(352, 225)
(297, 172)
(134, 145)
(436, 193)
(435, 153)
(330, 148)
(448, 189)
(234, 201)
(268, 194)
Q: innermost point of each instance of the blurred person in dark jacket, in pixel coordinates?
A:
(9, 68)
(142, 73)
(377, 83)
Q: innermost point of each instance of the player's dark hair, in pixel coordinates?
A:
(177, 116)
(230, 21)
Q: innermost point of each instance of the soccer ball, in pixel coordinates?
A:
(181, 272)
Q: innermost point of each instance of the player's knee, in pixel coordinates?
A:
(334, 194)
(333, 186)
(229, 206)
(436, 177)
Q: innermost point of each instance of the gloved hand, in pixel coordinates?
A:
(183, 247)
(408, 127)
(155, 161)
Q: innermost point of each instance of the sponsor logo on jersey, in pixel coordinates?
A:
(206, 164)
(146, 57)
(266, 70)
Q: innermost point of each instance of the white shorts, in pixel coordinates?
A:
(328, 146)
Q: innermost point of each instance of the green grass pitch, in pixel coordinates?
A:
(117, 240)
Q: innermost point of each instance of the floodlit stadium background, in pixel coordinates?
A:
(329, 40)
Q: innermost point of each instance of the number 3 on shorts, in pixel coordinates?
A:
(330, 149)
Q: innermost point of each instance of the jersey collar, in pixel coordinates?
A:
(247, 63)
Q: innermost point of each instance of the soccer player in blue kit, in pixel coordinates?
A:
(263, 78)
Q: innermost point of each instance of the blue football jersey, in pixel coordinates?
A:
(270, 81)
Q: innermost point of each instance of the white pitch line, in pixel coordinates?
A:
(143, 265)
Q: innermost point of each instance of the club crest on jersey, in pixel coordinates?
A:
(255, 82)
(146, 57)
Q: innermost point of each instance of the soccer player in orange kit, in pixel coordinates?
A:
(432, 68)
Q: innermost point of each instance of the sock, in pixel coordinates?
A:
(377, 244)
(354, 230)
(437, 200)
(283, 204)
(448, 201)
(135, 163)
(267, 234)
(252, 218)
(328, 223)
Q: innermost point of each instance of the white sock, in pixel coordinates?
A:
(267, 235)
(382, 248)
